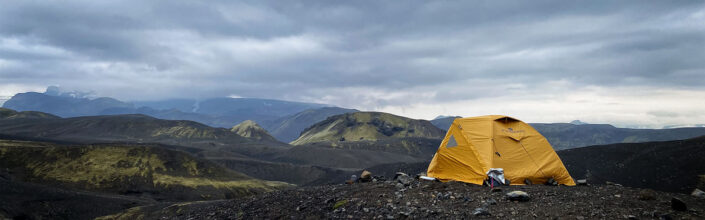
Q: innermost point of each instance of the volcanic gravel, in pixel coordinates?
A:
(429, 199)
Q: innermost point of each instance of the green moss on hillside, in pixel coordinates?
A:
(367, 126)
(124, 169)
(251, 129)
(6, 113)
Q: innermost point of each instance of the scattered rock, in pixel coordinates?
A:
(551, 182)
(481, 212)
(613, 184)
(698, 194)
(419, 175)
(366, 176)
(631, 217)
(665, 217)
(491, 201)
(403, 179)
(518, 196)
(399, 174)
(678, 205)
(647, 194)
(582, 182)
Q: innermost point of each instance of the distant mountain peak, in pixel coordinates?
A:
(57, 91)
(578, 122)
(251, 129)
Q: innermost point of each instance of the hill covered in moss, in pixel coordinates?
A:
(143, 170)
(251, 129)
(367, 126)
(6, 113)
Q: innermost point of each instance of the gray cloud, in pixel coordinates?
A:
(362, 54)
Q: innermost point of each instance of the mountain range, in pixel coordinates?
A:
(283, 119)
(287, 121)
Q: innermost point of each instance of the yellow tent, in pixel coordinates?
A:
(474, 145)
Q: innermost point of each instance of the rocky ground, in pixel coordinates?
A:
(430, 199)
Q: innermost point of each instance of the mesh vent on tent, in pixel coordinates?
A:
(451, 142)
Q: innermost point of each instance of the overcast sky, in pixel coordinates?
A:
(628, 63)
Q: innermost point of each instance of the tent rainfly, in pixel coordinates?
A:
(474, 145)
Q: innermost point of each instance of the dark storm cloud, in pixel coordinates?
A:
(300, 50)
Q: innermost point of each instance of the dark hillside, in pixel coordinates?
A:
(667, 166)
(565, 135)
(119, 128)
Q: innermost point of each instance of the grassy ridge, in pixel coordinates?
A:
(162, 173)
(367, 126)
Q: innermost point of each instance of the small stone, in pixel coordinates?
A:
(647, 194)
(678, 205)
(618, 196)
(403, 178)
(365, 209)
(390, 217)
(631, 217)
(665, 217)
(366, 176)
(582, 182)
(396, 175)
(491, 201)
(698, 194)
(551, 182)
(518, 196)
(481, 212)
(580, 217)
